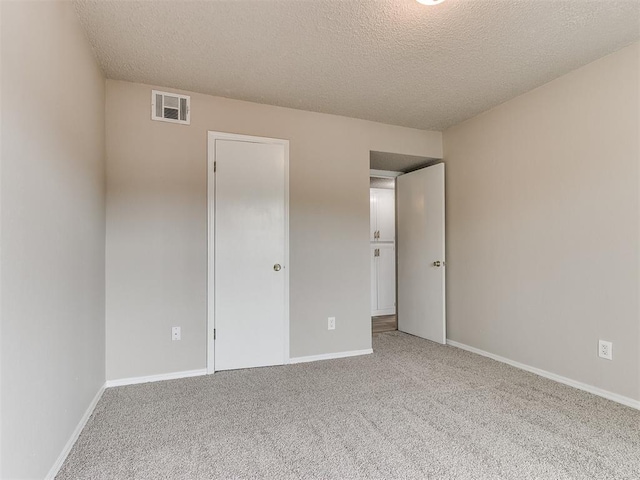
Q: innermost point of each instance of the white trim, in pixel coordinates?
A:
(330, 356)
(211, 138)
(155, 378)
(211, 183)
(384, 173)
(629, 402)
(444, 251)
(74, 436)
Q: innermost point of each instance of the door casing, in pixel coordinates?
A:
(212, 136)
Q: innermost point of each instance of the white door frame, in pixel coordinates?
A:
(393, 175)
(211, 198)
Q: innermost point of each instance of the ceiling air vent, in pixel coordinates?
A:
(170, 107)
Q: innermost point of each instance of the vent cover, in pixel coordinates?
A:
(170, 107)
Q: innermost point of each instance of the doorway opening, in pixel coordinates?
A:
(406, 242)
(382, 245)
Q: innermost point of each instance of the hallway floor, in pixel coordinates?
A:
(384, 323)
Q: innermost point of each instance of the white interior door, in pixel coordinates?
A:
(421, 253)
(249, 255)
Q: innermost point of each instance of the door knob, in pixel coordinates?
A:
(437, 263)
(277, 267)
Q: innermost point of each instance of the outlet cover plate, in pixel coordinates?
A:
(605, 349)
(331, 323)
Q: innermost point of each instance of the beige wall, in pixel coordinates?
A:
(157, 225)
(52, 223)
(543, 219)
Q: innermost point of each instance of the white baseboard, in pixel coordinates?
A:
(74, 436)
(629, 402)
(156, 378)
(330, 356)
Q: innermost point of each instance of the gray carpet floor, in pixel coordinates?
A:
(413, 409)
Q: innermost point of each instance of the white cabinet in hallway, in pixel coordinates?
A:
(382, 225)
(383, 254)
(383, 279)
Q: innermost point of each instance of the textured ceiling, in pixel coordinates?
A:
(392, 61)
(398, 162)
(379, 182)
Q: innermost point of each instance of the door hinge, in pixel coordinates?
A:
(214, 333)
(215, 166)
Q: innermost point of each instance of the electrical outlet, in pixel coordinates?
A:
(175, 333)
(332, 323)
(605, 350)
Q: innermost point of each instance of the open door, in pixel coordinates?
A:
(421, 266)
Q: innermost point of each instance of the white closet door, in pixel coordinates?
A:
(386, 290)
(249, 254)
(386, 215)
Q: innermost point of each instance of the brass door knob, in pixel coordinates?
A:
(277, 267)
